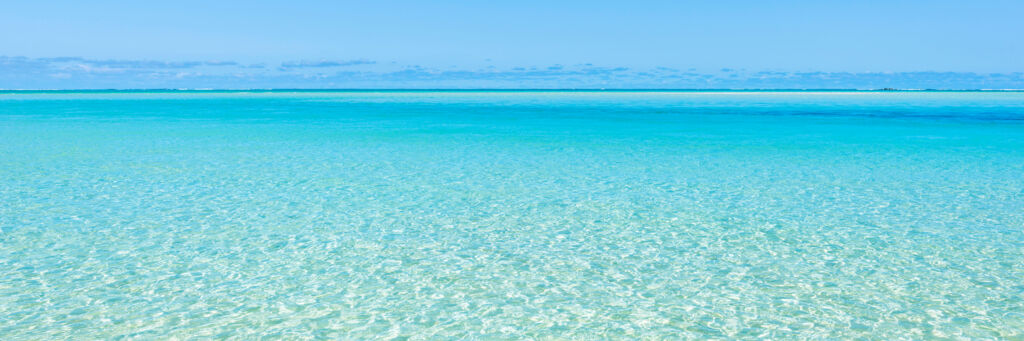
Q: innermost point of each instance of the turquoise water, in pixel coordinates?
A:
(509, 215)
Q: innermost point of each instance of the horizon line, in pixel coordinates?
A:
(510, 89)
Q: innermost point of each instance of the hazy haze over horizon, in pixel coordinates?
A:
(405, 44)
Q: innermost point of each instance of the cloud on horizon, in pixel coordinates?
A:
(124, 64)
(325, 63)
(83, 73)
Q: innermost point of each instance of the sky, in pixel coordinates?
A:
(511, 44)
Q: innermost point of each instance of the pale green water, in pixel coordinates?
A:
(508, 215)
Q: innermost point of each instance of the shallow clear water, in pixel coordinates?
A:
(512, 215)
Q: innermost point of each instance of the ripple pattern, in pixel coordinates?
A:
(508, 216)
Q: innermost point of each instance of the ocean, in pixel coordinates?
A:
(511, 214)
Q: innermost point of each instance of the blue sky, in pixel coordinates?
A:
(464, 44)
